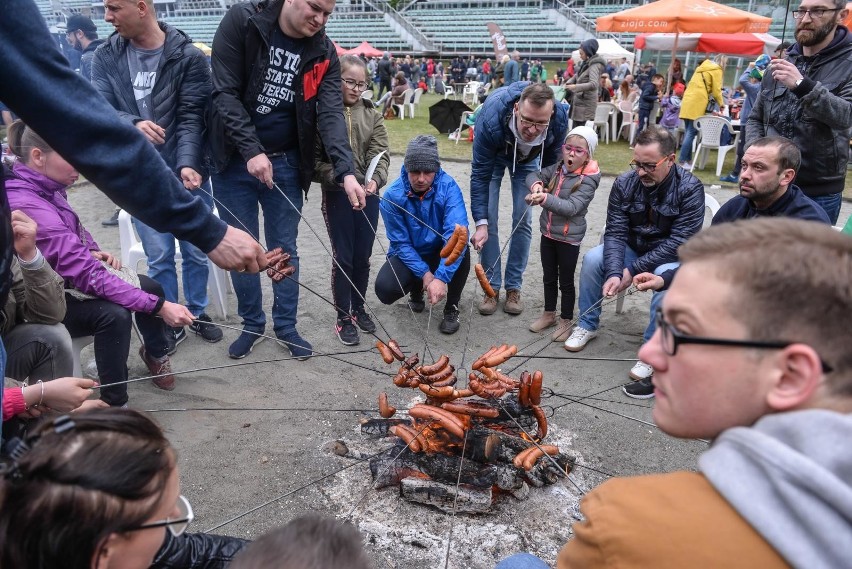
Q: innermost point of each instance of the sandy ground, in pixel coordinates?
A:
(250, 434)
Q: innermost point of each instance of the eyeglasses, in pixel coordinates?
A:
(357, 85)
(648, 167)
(176, 526)
(671, 338)
(815, 14)
(573, 149)
(532, 124)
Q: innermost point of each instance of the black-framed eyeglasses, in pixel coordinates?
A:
(176, 526)
(671, 338)
(648, 167)
(815, 13)
(357, 85)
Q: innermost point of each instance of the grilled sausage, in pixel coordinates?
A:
(483, 281)
(451, 243)
(535, 388)
(458, 249)
(438, 366)
(394, 348)
(471, 408)
(408, 436)
(537, 452)
(386, 353)
(385, 410)
(446, 419)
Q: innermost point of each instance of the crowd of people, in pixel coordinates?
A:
(278, 110)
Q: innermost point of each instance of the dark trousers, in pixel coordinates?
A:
(352, 234)
(559, 261)
(388, 289)
(38, 352)
(384, 85)
(738, 165)
(110, 324)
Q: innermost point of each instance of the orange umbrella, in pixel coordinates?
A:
(683, 16)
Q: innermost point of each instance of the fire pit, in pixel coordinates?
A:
(459, 454)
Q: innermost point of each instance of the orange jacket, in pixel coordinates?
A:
(663, 521)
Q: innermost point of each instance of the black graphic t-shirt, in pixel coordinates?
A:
(274, 111)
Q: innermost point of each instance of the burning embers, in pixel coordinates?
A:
(452, 449)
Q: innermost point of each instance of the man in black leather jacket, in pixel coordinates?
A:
(652, 211)
(197, 551)
(276, 86)
(807, 97)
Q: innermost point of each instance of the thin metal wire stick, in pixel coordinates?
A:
(420, 221)
(455, 502)
(242, 409)
(428, 325)
(490, 270)
(232, 214)
(291, 492)
(333, 259)
(395, 274)
(578, 358)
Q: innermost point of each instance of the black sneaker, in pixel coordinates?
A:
(363, 320)
(450, 323)
(643, 389)
(243, 345)
(347, 332)
(299, 348)
(112, 221)
(208, 332)
(174, 336)
(416, 303)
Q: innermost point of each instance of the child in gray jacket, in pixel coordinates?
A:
(564, 191)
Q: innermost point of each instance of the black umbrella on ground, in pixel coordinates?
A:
(446, 115)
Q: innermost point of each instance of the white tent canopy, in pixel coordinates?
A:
(608, 49)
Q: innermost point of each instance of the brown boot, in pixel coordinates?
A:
(563, 330)
(513, 303)
(545, 321)
(159, 366)
(489, 305)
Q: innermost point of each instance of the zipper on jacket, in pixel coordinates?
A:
(349, 127)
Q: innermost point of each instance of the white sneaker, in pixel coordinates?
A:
(579, 338)
(641, 371)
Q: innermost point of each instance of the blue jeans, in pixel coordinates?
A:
(519, 246)
(522, 561)
(591, 288)
(688, 136)
(160, 250)
(831, 204)
(242, 193)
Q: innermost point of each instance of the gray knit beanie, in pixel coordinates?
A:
(590, 46)
(422, 154)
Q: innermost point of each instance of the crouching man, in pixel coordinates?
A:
(414, 266)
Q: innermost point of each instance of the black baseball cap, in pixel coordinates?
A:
(80, 22)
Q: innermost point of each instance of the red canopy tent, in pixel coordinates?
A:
(340, 50)
(734, 44)
(366, 50)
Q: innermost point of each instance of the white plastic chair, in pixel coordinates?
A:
(710, 132)
(603, 112)
(368, 94)
(464, 116)
(627, 120)
(449, 91)
(77, 345)
(415, 101)
(470, 90)
(406, 96)
(132, 253)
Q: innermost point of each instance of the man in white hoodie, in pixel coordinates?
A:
(752, 352)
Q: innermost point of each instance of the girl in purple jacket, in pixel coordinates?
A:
(100, 302)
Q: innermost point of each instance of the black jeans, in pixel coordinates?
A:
(352, 234)
(738, 165)
(38, 352)
(388, 289)
(558, 262)
(110, 324)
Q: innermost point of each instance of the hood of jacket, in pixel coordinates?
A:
(173, 46)
(95, 44)
(789, 477)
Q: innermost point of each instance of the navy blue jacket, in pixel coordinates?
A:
(794, 203)
(67, 111)
(493, 139)
(653, 229)
(179, 99)
(648, 97)
(441, 207)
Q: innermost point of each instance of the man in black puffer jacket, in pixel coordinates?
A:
(806, 96)
(652, 211)
(159, 82)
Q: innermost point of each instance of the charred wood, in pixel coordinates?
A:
(469, 499)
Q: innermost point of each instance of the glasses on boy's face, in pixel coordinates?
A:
(815, 13)
(648, 167)
(671, 338)
(573, 149)
(356, 85)
(176, 526)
